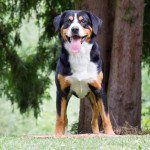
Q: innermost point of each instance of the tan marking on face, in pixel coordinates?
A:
(63, 82)
(95, 113)
(61, 120)
(98, 82)
(88, 32)
(63, 33)
(80, 18)
(70, 18)
(105, 118)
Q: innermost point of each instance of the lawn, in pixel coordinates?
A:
(127, 142)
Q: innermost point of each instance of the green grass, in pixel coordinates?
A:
(92, 143)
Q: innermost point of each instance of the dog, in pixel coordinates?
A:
(79, 68)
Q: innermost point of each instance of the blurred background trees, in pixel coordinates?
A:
(25, 70)
(24, 79)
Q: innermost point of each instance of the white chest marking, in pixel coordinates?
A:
(83, 70)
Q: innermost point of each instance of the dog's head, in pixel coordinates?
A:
(77, 26)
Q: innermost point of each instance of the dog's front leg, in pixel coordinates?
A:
(104, 112)
(101, 100)
(61, 118)
(95, 113)
(61, 104)
(102, 106)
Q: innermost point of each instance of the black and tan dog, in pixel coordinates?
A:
(79, 69)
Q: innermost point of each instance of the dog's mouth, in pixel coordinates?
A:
(76, 38)
(76, 43)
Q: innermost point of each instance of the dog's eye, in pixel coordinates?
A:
(82, 21)
(69, 21)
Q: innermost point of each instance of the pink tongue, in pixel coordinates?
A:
(75, 45)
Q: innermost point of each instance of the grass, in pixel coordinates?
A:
(88, 143)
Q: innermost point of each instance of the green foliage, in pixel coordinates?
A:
(146, 115)
(145, 99)
(146, 43)
(25, 81)
(74, 128)
(14, 123)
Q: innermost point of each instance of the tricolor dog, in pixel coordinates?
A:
(79, 69)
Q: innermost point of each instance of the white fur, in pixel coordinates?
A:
(83, 70)
(75, 24)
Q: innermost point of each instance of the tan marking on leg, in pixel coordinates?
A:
(63, 82)
(95, 113)
(61, 120)
(105, 118)
(97, 83)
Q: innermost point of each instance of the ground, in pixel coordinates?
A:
(76, 142)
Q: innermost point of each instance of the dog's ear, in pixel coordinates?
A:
(56, 22)
(96, 22)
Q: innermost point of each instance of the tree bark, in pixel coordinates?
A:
(105, 11)
(124, 88)
(121, 43)
(84, 125)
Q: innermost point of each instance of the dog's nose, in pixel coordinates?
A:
(75, 30)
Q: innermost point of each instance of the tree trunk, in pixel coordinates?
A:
(85, 117)
(99, 8)
(124, 88)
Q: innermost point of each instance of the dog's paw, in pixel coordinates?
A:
(110, 132)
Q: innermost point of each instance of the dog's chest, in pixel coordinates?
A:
(83, 72)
